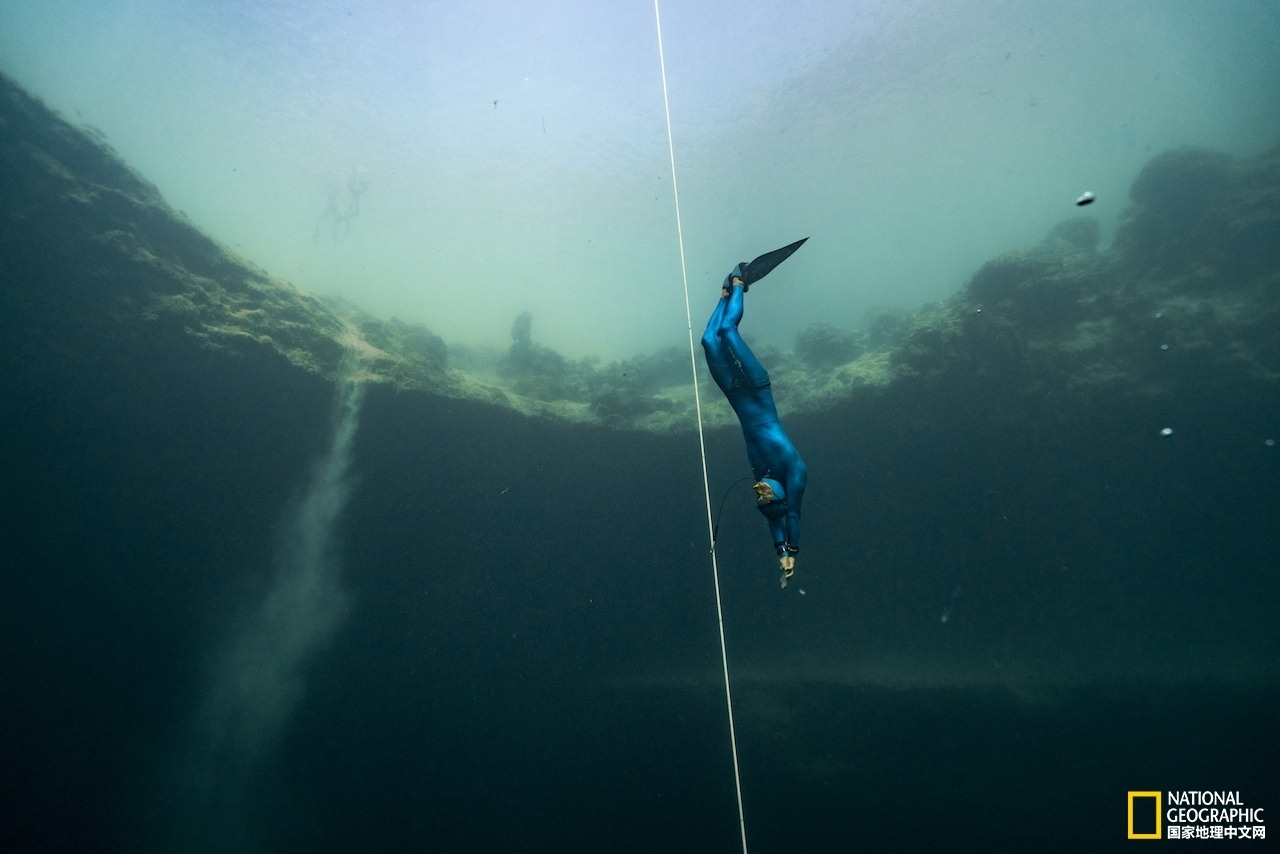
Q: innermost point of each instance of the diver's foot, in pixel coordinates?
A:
(734, 282)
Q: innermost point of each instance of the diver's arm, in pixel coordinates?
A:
(784, 542)
(781, 537)
(797, 480)
(795, 495)
(792, 518)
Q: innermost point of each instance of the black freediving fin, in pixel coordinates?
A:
(762, 266)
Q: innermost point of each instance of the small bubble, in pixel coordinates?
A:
(1168, 431)
(1270, 442)
(1164, 346)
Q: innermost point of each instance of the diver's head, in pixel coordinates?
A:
(769, 490)
(771, 498)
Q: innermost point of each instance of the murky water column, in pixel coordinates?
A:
(257, 682)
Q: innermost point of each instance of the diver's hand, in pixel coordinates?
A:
(788, 565)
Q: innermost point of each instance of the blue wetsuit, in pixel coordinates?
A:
(745, 382)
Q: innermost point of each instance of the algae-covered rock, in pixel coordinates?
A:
(823, 346)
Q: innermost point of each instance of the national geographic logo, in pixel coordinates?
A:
(1193, 815)
(1144, 815)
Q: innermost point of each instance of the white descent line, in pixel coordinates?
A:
(702, 444)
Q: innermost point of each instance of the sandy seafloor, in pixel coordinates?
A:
(499, 634)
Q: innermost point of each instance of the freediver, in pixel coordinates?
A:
(779, 472)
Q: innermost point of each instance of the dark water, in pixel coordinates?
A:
(537, 668)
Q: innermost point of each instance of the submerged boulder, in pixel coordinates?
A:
(1196, 209)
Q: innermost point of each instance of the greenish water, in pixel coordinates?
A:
(355, 149)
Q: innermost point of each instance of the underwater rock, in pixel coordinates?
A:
(823, 346)
(539, 372)
(1004, 277)
(93, 245)
(1197, 209)
(1080, 233)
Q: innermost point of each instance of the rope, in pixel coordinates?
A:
(702, 444)
(715, 531)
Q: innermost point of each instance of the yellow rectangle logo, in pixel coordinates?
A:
(1148, 815)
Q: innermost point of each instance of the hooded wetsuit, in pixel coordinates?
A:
(745, 383)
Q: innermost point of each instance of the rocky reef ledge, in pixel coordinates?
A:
(1191, 282)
